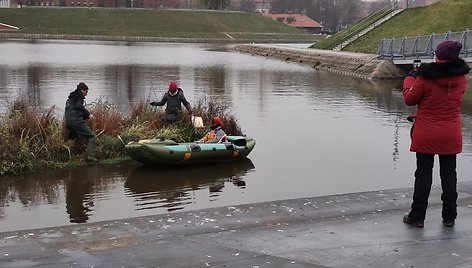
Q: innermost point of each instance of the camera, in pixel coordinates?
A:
(416, 64)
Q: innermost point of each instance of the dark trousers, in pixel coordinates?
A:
(424, 180)
(172, 118)
(78, 130)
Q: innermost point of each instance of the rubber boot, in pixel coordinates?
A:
(91, 150)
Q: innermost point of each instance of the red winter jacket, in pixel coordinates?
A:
(438, 91)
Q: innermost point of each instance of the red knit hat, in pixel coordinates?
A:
(172, 86)
(218, 121)
(448, 50)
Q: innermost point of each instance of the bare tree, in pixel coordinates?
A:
(332, 14)
(348, 13)
(376, 6)
(282, 6)
(216, 4)
(247, 6)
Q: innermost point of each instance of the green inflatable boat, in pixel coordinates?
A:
(157, 151)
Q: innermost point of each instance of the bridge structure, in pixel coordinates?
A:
(403, 51)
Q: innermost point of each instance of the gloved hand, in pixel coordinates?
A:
(153, 103)
(413, 73)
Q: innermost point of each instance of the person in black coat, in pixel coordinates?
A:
(75, 115)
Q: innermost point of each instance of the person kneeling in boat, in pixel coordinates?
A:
(216, 133)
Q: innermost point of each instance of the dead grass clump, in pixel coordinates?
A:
(144, 119)
(34, 139)
(106, 119)
(210, 109)
(30, 139)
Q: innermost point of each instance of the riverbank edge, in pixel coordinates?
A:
(361, 65)
(25, 36)
(356, 230)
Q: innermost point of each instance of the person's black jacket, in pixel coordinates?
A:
(75, 110)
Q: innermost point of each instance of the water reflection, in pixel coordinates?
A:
(174, 187)
(78, 190)
(48, 192)
(92, 193)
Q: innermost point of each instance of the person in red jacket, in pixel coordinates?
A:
(437, 89)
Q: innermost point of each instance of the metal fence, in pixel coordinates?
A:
(422, 47)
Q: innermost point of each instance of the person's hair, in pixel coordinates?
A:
(82, 86)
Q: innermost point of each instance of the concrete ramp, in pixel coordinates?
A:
(367, 66)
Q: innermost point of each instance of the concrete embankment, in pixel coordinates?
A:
(229, 39)
(361, 65)
(349, 230)
(108, 38)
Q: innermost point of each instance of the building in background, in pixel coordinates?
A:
(78, 3)
(4, 3)
(153, 4)
(262, 6)
(299, 21)
(164, 3)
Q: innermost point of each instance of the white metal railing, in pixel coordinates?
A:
(422, 47)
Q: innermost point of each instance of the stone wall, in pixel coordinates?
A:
(366, 66)
(226, 39)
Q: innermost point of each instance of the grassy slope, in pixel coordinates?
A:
(441, 17)
(154, 23)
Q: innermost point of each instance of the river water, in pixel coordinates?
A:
(317, 133)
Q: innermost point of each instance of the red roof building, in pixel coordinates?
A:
(299, 21)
